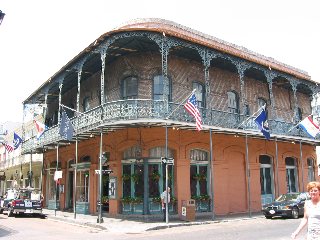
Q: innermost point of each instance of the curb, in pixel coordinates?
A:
(160, 227)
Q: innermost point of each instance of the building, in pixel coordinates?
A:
(124, 95)
(16, 167)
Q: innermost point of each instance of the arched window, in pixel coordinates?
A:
(233, 102)
(291, 174)
(130, 88)
(199, 178)
(158, 85)
(266, 179)
(200, 93)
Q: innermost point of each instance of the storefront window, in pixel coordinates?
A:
(198, 172)
(82, 194)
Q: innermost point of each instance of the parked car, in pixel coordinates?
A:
(23, 201)
(286, 205)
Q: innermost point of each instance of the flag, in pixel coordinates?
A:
(66, 129)
(8, 147)
(309, 126)
(192, 107)
(16, 140)
(262, 123)
(40, 128)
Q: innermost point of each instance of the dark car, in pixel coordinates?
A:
(286, 205)
(23, 201)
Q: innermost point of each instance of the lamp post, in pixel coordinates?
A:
(1, 16)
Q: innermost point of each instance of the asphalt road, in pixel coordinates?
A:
(29, 228)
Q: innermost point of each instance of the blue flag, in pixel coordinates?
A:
(66, 129)
(262, 123)
(16, 141)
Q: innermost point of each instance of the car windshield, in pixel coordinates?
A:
(287, 197)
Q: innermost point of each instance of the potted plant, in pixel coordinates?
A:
(126, 204)
(104, 199)
(156, 199)
(137, 200)
(137, 204)
(204, 197)
(126, 200)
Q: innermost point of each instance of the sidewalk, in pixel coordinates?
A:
(138, 224)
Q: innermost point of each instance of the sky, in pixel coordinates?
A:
(38, 37)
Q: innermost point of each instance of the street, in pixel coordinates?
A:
(28, 228)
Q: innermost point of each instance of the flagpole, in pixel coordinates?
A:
(211, 176)
(57, 162)
(298, 124)
(166, 165)
(301, 162)
(193, 91)
(277, 166)
(248, 176)
(251, 116)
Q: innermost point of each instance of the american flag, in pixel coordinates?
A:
(8, 147)
(192, 107)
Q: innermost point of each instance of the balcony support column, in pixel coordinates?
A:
(164, 64)
(242, 67)
(79, 68)
(295, 100)
(270, 76)
(60, 90)
(206, 60)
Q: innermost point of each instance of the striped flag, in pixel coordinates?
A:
(8, 147)
(192, 107)
(309, 126)
(40, 128)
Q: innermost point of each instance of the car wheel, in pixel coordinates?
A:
(295, 213)
(1, 211)
(268, 217)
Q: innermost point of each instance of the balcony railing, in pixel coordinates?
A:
(115, 113)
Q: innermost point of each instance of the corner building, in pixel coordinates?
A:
(130, 86)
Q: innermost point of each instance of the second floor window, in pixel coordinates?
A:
(233, 102)
(86, 104)
(199, 93)
(261, 102)
(158, 85)
(299, 113)
(130, 88)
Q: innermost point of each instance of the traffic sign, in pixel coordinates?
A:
(169, 161)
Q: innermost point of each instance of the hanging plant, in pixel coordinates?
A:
(126, 177)
(155, 176)
(135, 177)
(199, 177)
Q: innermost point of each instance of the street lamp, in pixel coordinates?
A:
(1, 16)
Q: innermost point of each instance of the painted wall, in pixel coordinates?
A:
(229, 164)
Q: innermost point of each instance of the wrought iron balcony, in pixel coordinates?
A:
(122, 113)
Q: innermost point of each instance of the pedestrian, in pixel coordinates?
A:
(311, 213)
(164, 201)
